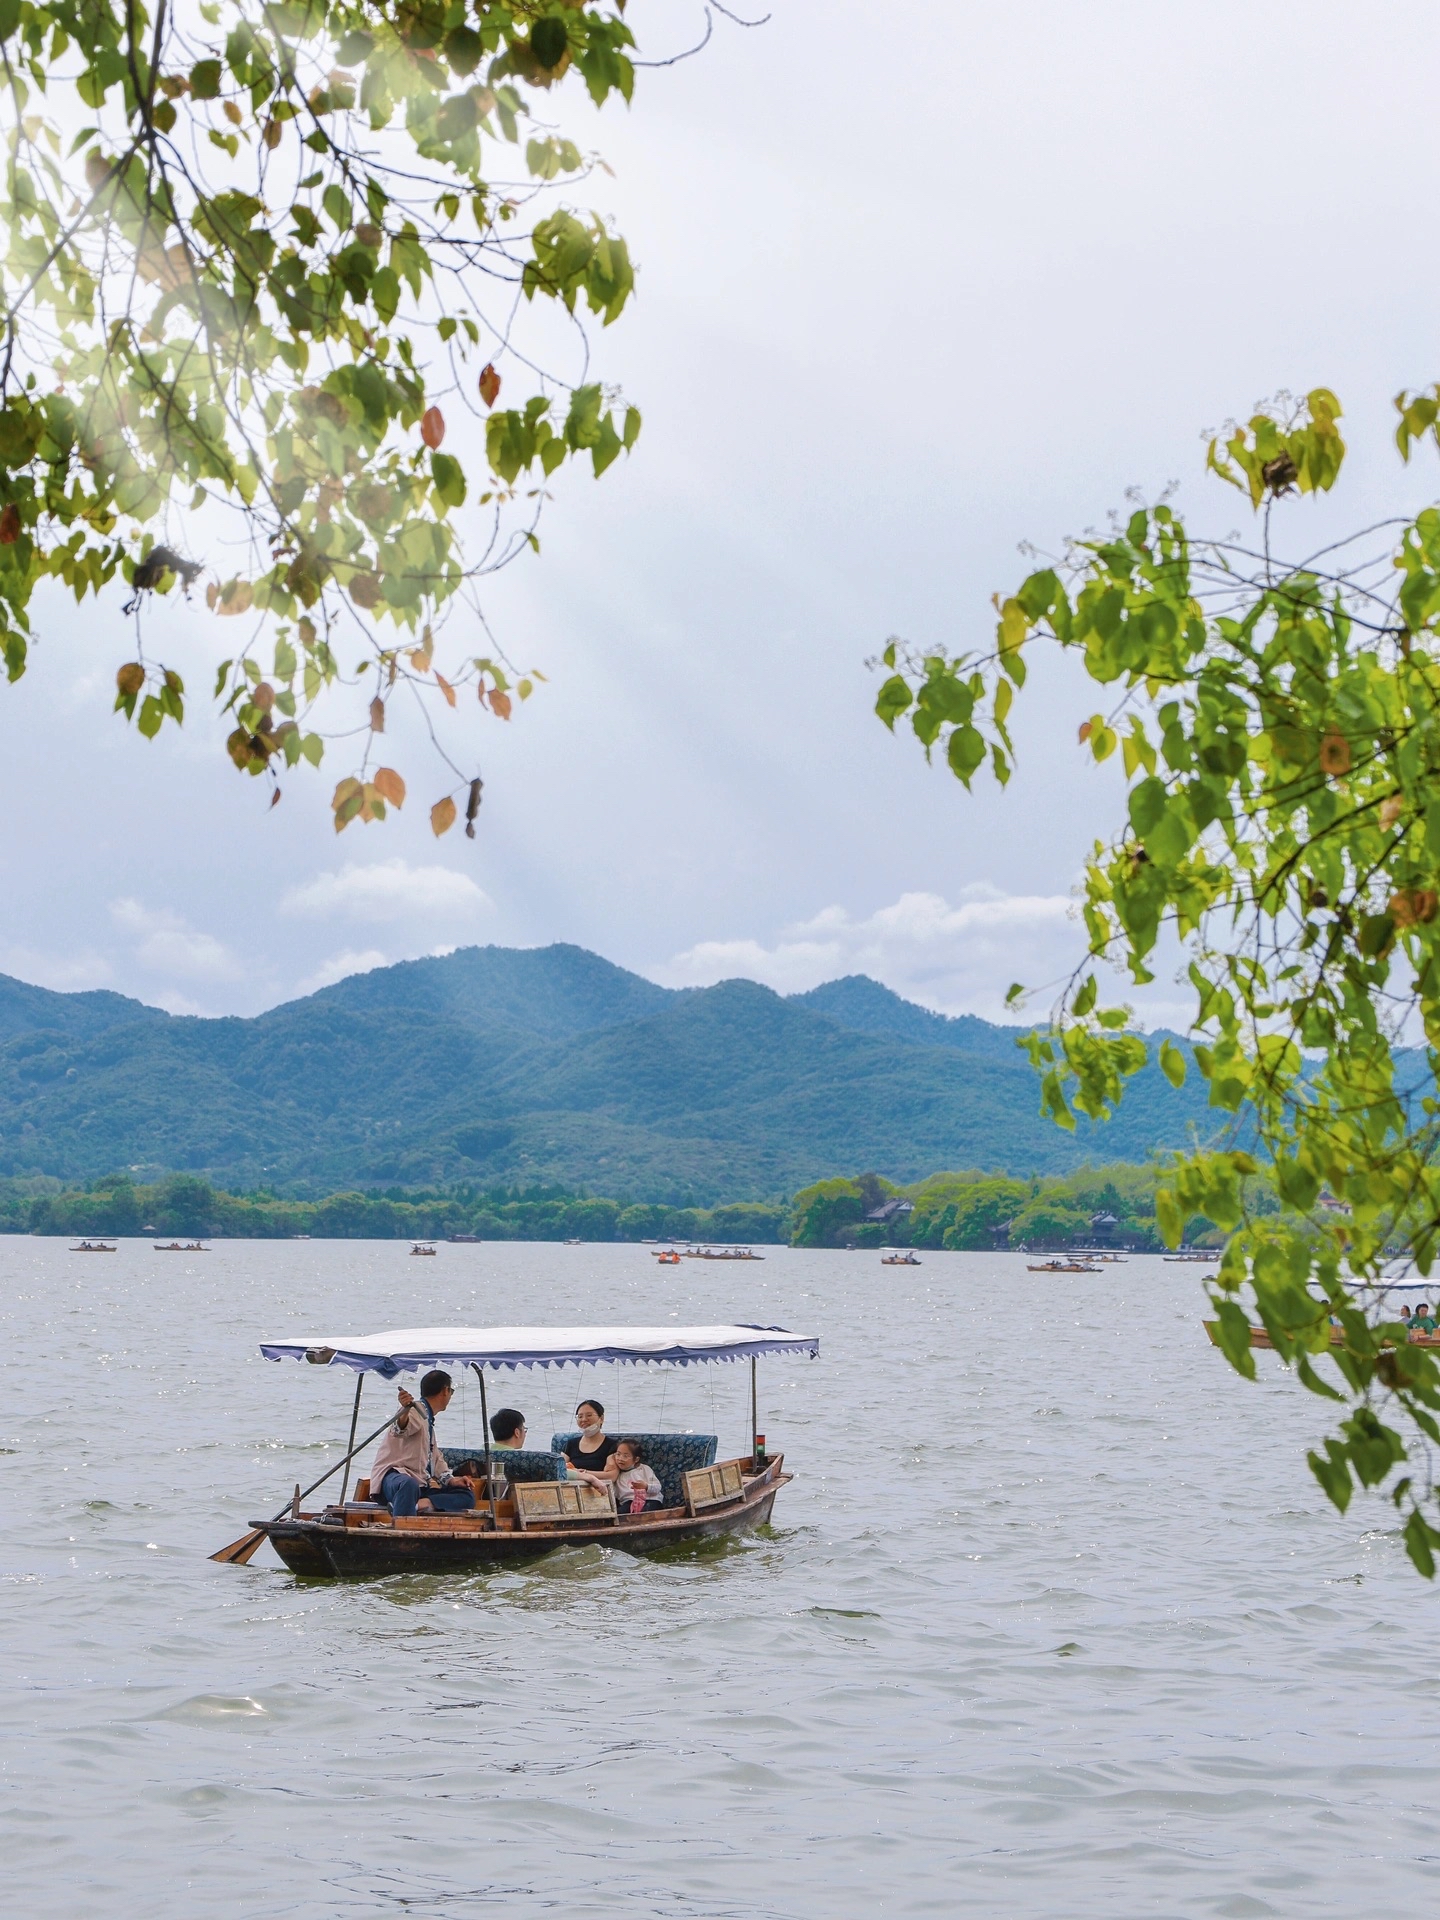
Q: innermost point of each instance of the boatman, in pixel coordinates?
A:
(410, 1473)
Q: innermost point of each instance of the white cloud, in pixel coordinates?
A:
(70, 973)
(340, 966)
(168, 944)
(959, 958)
(390, 891)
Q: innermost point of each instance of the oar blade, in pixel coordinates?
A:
(240, 1552)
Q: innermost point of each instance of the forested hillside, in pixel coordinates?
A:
(501, 1065)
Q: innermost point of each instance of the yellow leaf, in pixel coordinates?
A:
(390, 786)
(442, 816)
(131, 678)
(1013, 626)
(1390, 811)
(236, 596)
(347, 801)
(445, 687)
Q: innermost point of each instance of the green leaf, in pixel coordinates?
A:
(1172, 1063)
(1332, 1470)
(205, 79)
(1420, 1543)
(892, 700)
(964, 752)
(449, 478)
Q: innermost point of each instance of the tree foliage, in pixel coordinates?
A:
(1278, 720)
(275, 279)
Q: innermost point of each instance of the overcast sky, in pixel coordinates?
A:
(915, 286)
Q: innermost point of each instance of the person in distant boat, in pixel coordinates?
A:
(590, 1455)
(637, 1490)
(410, 1473)
(508, 1429)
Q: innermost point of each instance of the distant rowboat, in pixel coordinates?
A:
(1061, 1266)
(422, 1247)
(93, 1246)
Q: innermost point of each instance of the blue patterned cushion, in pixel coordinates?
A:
(670, 1454)
(516, 1463)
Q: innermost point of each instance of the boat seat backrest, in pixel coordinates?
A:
(713, 1486)
(516, 1463)
(671, 1455)
(539, 1505)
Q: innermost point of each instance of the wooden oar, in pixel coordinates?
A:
(239, 1552)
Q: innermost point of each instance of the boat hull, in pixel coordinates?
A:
(321, 1549)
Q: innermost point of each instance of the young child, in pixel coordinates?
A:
(637, 1490)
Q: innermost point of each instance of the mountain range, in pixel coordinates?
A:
(508, 1066)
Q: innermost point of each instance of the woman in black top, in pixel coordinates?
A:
(589, 1455)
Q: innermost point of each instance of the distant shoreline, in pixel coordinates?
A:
(964, 1211)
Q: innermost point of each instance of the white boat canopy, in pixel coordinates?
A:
(412, 1348)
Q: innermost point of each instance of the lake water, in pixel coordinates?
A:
(1051, 1622)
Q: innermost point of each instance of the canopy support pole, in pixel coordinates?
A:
(354, 1420)
(754, 1415)
(485, 1421)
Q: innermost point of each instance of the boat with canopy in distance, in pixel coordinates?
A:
(525, 1506)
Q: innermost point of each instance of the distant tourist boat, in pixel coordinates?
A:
(517, 1520)
(423, 1247)
(1062, 1266)
(669, 1258)
(722, 1253)
(176, 1246)
(907, 1259)
(465, 1240)
(94, 1246)
(1194, 1256)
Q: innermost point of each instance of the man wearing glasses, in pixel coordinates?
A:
(508, 1429)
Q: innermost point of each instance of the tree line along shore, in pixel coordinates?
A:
(953, 1211)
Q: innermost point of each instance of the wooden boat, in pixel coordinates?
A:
(512, 1526)
(722, 1253)
(899, 1260)
(177, 1246)
(1193, 1257)
(670, 1259)
(1260, 1337)
(423, 1249)
(464, 1239)
(94, 1246)
(1061, 1266)
(336, 1544)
